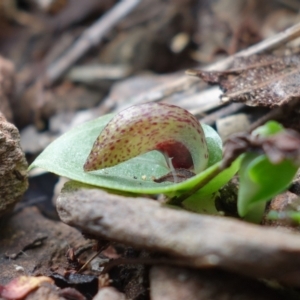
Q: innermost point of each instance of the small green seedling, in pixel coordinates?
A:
(260, 178)
(129, 151)
(68, 155)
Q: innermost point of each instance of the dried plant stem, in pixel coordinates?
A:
(224, 111)
(89, 260)
(265, 45)
(90, 37)
(105, 245)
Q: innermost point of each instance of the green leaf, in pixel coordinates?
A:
(287, 216)
(67, 154)
(260, 180)
(214, 145)
(201, 204)
(203, 200)
(256, 212)
(270, 128)
(221, 178)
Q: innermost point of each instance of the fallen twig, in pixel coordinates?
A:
(198, 240)
(224, 111)
(265, 45)
(90, 37)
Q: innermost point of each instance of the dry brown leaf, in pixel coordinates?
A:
(19, 287)
(278, 147)
(260, 80)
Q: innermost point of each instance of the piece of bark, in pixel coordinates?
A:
(171, 283)
(6, 86)
(195, 240)
(13, 167)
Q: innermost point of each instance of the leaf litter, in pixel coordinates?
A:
(151, 217)
(285, 144)
(258, 80)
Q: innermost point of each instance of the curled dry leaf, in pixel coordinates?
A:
(13, 167)
(283, 145)
(260, 80)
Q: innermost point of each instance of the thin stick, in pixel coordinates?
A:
(265, 45)
(222, 112)
(89, 260)
(90, 37)
(162, 91)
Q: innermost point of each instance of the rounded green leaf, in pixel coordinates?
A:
(268, 129)
(260, 180)
(67, 154)
(214, 145)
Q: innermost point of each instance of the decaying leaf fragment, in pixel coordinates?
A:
(179, 174)
(19, 287)
(283, 145)
(13, 167)
(259, 80)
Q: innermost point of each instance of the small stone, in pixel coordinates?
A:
(13, 167)
(232, 124)
(6, 87)
(109, 293)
